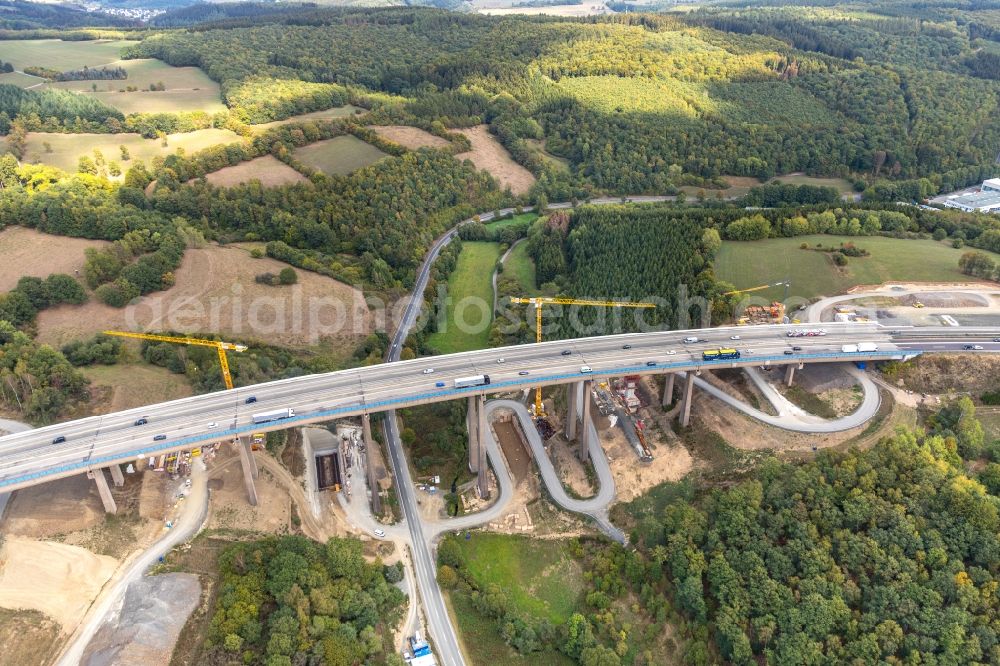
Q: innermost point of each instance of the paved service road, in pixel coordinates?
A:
(793, 418)
(597, 506)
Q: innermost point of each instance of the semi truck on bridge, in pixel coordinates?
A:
(860, 347)
(475, 380)
(276, 415)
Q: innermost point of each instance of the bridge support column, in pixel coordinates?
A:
(668, 390)
(483, 473)
(472, 424)
(789, 374)
(247, 444)
(686, 404)
(572, 409)
(117, 476)
(370, 444)
(102, 488)
(249, 465)
(587, 425)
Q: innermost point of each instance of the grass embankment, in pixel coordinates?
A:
(747, 264)
(521, 267)
(471, 283)
(810, 402)
(540, 577)
(515, 219)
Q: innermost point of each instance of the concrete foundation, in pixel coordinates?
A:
(686, 399)
(668, 390)
(117, 476)
(370, 444)
(104, 490)
(249, 465)
(586, 424)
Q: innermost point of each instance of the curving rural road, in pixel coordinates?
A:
(597, 506)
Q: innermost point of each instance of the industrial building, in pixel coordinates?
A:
(986, 200)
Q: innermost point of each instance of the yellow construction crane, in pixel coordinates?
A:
(539, 301)
(784, 284)
(220, 347)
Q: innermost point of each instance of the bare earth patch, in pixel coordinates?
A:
(53, 578)
(27, 637)
(124, 386)
(230, 509)
(29, 252)
(52, 509)
(269, 170)
(409, 137)
(216, 292)
(487, 154)
(671, 462)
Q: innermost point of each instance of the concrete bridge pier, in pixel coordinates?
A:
(686, 399)
(370, 444)
(477, 424)
(249, 466)
(104, 490)
(472, 425)
(587, 425)
(790, 373)
(572, 409)
(117, 476)
(668, 390)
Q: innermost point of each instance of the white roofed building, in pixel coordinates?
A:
(986, 200)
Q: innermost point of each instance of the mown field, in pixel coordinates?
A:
(326, 114)
(64, 150)
(267, 169)
(469, 286)
(186, 88)
(338, 156)
(59, 55)
(840, 184)
(747, 264)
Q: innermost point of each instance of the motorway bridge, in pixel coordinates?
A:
(93, 443)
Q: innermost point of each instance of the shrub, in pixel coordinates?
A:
(117, 294)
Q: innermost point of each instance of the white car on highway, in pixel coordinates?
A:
(428, 371)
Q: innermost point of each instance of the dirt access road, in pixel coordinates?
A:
(190, 521)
